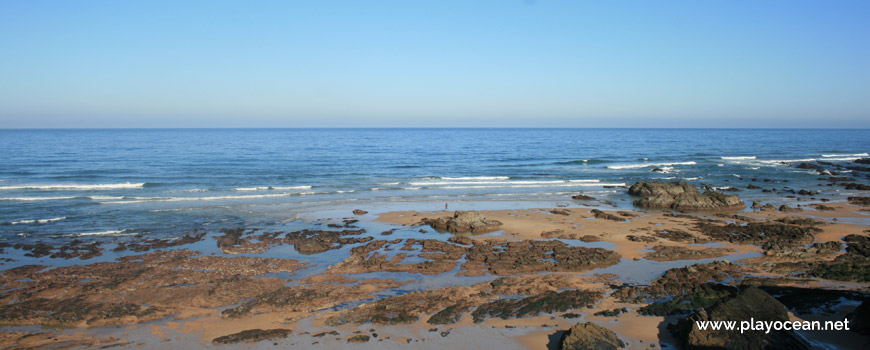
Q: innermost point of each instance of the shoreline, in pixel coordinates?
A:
(198, 323)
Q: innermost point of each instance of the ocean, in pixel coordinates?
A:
(107, 184)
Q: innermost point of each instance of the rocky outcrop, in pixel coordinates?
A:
(606, 216)
(359, 212)
(681, 196)
(582, 197)
(749, 304)
(252, 335)
(591, 336)
(463, 221)
(859, 201)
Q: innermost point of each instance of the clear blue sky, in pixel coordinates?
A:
(321, 63)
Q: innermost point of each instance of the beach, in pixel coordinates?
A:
(403, 282)
(624, 249)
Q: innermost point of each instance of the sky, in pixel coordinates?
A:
(438, 63)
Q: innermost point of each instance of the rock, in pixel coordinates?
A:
(681, 196)
(359, 338)
(646, 239)
(461, 240)
(359, 212)
(464, 221)
(863, 161)
(252, 335)
(755, 205)
(855, 186)
(602, 215)
(560, 212)
(749, 304)
(548, 302)
(753, 187)
(611, 313)
(590, 336)
(582, 197)
(860, 318)
(859, 200)
(671, 253)
(810, 166)
(657, 170)
(787, 209)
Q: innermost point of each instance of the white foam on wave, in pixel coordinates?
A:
(103, 233)
(73, 187)
(739, 158)
(389, 184)
(197, 190)
(476, 178)
(37, 221)
(106, 198)
(411, 188)
(28, 199)
(647, 165)
(504, 182)
(533, 186)
(277, 188)
(212, 198)
(846, 155)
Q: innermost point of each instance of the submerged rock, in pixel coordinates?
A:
(681, 196)
(464, 221)
(749, 304)
(591, 336)
(582, 197)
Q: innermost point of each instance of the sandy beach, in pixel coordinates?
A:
(403, 282)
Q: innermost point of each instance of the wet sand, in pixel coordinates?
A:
(207, 301)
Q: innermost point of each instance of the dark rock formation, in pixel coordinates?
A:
(670, 253)
(810, 166)
(463, 221)
(852, 266)
(584, 336)
(359, 212)
(749, 304)
(681, 196)
(602, 215)
(359, 338)
(252, 335)
(863, 161)
(855, 186)
(548, 302)
(582, 197)
(611, 313)
(461, 240)
(859, 200)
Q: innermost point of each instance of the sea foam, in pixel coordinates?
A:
(73, 187)
(647, 165)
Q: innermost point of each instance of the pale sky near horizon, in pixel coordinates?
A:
(461, 63)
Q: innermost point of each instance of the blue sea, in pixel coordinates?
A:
(114, 183)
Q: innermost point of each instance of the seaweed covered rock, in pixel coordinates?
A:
(852, 266)
(749, 304)
(590, 336)
(464, 221)
(252, 335)
(681, 195)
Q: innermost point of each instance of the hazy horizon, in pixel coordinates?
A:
(515, 64)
